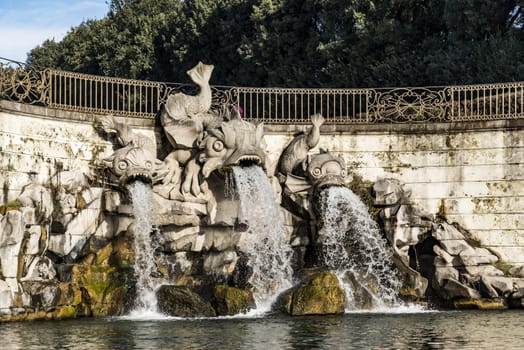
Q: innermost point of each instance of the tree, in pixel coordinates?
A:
(305, 43)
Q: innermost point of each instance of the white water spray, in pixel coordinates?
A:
(266, 241)
(353, 248)
(141, 197)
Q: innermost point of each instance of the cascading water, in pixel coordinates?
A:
(266, 242)
(141, 197)
(353, 248)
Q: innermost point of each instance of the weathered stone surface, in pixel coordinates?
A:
(483, 270)
(321, 294)
(444, 255)
(453, 289)
(40, 269)
(107, 229)
(177, 219)
(221, 238)
(231, 301)
(517, 271)
(123, 253)
(481, 304)
(444, 273)
(185, 238)
(44, 295)
(112, 201)
(502, 285)
(105, 289)
(70, 294)
(487, 290)
(79, 229)
(519, 288)
(39, 197)
(6, 299)
(388, 192)
(33, 243)
(454, 246)
(477, 256)
(173, 233)
(165, 207)
(105, 281)
(182, 302)
(220, 263)
(11, 237)
(445, 231)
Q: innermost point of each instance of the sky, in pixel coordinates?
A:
(25, 24)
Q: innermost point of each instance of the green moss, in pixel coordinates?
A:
(231, 301)
(504, 267)
(320, 295)
(11, 205)
(65, 312)
(483, 205)
(364, 190)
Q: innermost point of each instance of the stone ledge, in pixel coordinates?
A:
(57, 114)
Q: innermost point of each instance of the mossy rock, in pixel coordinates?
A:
(232, 301)
(63, 312)
(123, 254)
(106, 290)
(480, 304)
(70, 294)
(11, 205)
(183, 302)
(320, 294)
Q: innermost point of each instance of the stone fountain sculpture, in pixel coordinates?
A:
(66, 242)
(302, 175)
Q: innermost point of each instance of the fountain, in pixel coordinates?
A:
(144, 249)
(207, 226)
(353, 247)
(266, 242)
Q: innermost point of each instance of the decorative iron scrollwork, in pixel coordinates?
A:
(143, 99)
(402, 105)
(18, 83)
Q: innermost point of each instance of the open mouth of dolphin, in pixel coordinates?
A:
(328, 181)
(247, 160)
(141, 175)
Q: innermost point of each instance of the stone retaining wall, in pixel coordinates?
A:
(472, 173)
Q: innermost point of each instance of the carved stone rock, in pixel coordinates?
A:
(320, 294)
(182, 302)
(453, 289)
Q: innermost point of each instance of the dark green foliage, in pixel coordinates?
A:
(299, 43)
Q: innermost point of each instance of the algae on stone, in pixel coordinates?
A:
(321, 294)
(232, 301)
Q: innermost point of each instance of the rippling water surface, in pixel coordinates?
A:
(424, 330)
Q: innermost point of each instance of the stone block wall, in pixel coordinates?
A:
(472, 173)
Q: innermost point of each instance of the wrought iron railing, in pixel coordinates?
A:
(143, 99)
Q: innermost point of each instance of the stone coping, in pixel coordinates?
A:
(408, 128)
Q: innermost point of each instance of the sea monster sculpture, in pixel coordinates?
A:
(302, 174)
(233, 142)
(137, 157)
(185, 119)
(296, 152)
